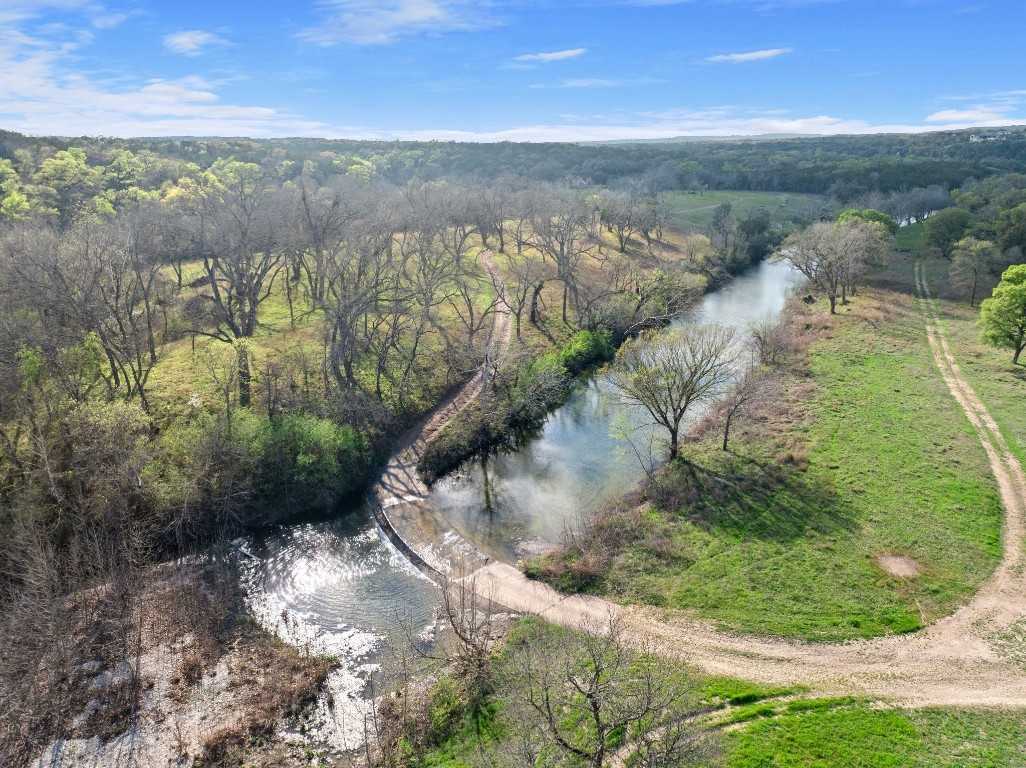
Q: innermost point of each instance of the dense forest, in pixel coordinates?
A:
(842, 166)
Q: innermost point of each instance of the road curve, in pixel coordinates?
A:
(957, 661)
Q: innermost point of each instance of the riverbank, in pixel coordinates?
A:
(205, 684)
(515, 403)
(842, 511)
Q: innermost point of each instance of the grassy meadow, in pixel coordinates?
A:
(694, 211)
(865, 455)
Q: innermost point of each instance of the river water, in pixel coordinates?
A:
(340, 587)
(582, 458)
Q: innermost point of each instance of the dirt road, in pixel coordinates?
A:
(961, 660)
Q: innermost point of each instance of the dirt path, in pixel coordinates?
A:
(957, 661)
(400, 496)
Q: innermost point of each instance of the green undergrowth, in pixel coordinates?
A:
(821, 735)
(745, 725)
(517, 402)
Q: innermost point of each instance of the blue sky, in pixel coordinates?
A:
(509, 69)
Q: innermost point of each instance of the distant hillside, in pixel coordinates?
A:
(841, 166)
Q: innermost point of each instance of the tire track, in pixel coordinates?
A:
(953, 662)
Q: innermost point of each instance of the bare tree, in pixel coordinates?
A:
(241, 255)
(468, 305)
(749, 389)
(559, 228)
(834, 256)
(491, 207)
(970, 261)
(620, 214)
(770, 340)
(668, 373)
(527, 271)
(598, 680)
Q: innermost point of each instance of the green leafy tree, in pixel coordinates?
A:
(1003, 315)
(945, 228)
(66, 183)
(15, 206)
(869, 215)
(1011, 227)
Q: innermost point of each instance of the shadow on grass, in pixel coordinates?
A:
(748, 498)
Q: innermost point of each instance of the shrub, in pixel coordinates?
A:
(586, 349)
(211, 477)
(445, 710)
(310, 462)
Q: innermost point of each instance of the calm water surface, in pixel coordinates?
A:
(341, 588)
(581, 458)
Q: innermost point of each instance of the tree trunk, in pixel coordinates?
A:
(535, 315)
(674, 444)
(245, 379)
(726, 430)
(833, 304)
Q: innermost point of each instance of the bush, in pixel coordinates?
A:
(445, 710)
(310, 463)
(211, 477)
(586, 349)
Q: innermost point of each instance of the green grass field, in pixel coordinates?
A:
(893, 468)
(752, 726)
(695, 211)
(910, 238)
(860, 736)
(1001, 385)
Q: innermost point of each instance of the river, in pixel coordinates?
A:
(340, 587)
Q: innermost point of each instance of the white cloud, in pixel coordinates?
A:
(41, 94)
(995, 108)
(712, 122)
(99, 16)
(596, 82)
(976, 116)
(109, 20)
(545, 57)
(379, 22)
(192, 42)
(747, 56)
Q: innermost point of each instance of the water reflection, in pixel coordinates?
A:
(521, 501)
(339, 588)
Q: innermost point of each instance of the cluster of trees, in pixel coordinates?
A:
(109, 272)
(983, 235)
(835, 256)
(845, 167)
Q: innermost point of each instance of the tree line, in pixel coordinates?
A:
(844, 167)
